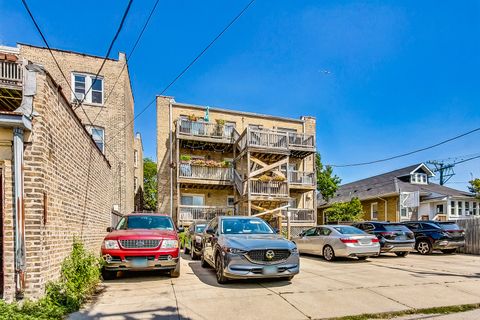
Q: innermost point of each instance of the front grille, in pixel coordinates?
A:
(140, 243)
(261, 255)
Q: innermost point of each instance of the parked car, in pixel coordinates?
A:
(247, 247)
(393, 237)
(193, 239)
(141, 241)
(331, 241)
(434, 235)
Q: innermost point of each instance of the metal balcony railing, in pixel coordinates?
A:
(300, 215)
(205, 129)
(187, 170)
(11, 73)
(192, 213)
(273, 189)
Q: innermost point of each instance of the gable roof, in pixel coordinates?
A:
(388, 183)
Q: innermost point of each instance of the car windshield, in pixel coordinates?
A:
(348, 230)
(449, 226)
(200, 227)
(396, 227)
(146, 222)
(245, 226)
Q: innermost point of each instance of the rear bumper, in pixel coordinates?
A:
(447, 244)
(358, 251)
(398, 247)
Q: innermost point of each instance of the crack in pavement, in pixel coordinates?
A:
(286, 300)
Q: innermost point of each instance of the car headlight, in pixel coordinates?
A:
(235, 251)
(169, 244)
(110, 244)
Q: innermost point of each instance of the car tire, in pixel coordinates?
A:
(402, 254)
(424, 247)
(108, 274)
(221, 279)
(449, 251)
(328, 253)
(362, 258)
(175, 273)
(185, 249)
(193, 254)
(203, 262)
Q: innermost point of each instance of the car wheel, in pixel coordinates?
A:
(193, 254)
(424, 247)
(175, 273)
(221, 279)
(362, 258)
(185, 249)
(402, 254)
(328, 253)
(204, 263)
(449, 251)
(108, 274)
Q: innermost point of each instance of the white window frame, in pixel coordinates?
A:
(474, 208)
(231, 197)
(371, 211)
(89, 129)
(419, 178)
(468, 208)
(192, 195)
(135, 184)
(88, 83)
(135, 158)
(459, 208)
(453, 209)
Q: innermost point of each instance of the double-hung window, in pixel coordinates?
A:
(474, 208)
(452, 208)
(467, 208)
(98, 135)
(88, 88)
(192, 200)
(374, 210)
(460, 208)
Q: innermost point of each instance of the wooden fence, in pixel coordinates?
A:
(472, 235)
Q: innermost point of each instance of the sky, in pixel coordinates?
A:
(381, 77)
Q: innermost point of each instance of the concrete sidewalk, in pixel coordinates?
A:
(321, 290)
(468, 315)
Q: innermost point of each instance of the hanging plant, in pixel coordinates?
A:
(278, 178)
(220, 122)
(264, 178)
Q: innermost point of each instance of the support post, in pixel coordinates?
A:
(20, 255)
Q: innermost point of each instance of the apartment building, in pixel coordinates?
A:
(214, 161)
(107, 111)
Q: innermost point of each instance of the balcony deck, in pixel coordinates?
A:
(302, 180)
(189, 214)
(300, 216)
(190, 175)
(205, 135)
(301, 144)
(11, 81)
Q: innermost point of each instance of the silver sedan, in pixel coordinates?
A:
(332, 241)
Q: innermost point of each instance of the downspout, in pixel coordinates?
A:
(20, 263)
(170, 154)
(384, 208)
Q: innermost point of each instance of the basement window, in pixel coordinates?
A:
(88, 88)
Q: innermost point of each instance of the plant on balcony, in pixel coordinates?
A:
(220, 122)
(264, 178)
(185, 158)
(192, 117)
(278, 178)
(219, 127)
(226, 164)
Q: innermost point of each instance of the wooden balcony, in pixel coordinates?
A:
(301, 144)
(270, 189)
(203, 175)
(198, 133)
(11, 80)
(300, 216)
(188, 214)
(302, 179)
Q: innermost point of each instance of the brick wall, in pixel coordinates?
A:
(113, 116)
(67, 190)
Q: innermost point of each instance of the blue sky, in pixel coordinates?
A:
(401, 74)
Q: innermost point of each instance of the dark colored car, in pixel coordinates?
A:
(247, 247)
(141, 241)
(393, 237)
(434, 235)
(193, 239)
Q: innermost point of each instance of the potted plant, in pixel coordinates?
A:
(278, 178)
(264, 178)
(219, 127)
(192, 117)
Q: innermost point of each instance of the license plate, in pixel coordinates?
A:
(139, 263)
(365, 241)
(269, 270)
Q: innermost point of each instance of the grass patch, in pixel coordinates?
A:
(435, 310)
(80, 274)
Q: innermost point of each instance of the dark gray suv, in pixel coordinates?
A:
(247, 247)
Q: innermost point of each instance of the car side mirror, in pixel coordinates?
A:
(210, 231)
(109, 229)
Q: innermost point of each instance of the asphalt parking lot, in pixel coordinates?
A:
(321, 290)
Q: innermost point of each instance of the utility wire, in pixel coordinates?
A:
(404, 154)
(188, 66)
(119, 29)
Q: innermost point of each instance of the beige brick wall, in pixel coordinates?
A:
(114, 116)
(67, 191)
(138, 171)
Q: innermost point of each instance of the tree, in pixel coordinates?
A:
(475, 187)
(327, 182)
(345, 211)
(149, 184)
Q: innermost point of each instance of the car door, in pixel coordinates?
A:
(209, 240)
(318, 242)
(304, 239)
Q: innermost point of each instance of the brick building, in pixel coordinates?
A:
(215, 161)
(138, 172)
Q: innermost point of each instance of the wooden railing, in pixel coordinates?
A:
(272, 189)
(11, 73)
(304, 178)
(301, 140)
(238, 182)
(266, 139)
(192, 213)
(205, 129)
(187, 170)
(300, 215)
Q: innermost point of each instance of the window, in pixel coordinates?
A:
(230, 201)
(419, 178)
(439, 209)
(374, 210)
(255, 126)
(135, 184)
(452, 208)
(467, 208)
(322, 231)
(135, 158)
(192, 200)
(88, 88)
(98, 135)
(228, 128)
(310, 232)
(474, 208)
(286, 130)
(460, 209)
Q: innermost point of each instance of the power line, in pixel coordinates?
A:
(119, 29)
(189, 65)
(465, 160)
(405, 154)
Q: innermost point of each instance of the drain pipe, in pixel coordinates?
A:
(20, 255)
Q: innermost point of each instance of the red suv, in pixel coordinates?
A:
(141, 241)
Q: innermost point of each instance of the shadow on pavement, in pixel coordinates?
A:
(165, 313)
(338, 260)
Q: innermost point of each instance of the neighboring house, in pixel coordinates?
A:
(55, 180)
(387, 196)
(216, 161)
(107, 111)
